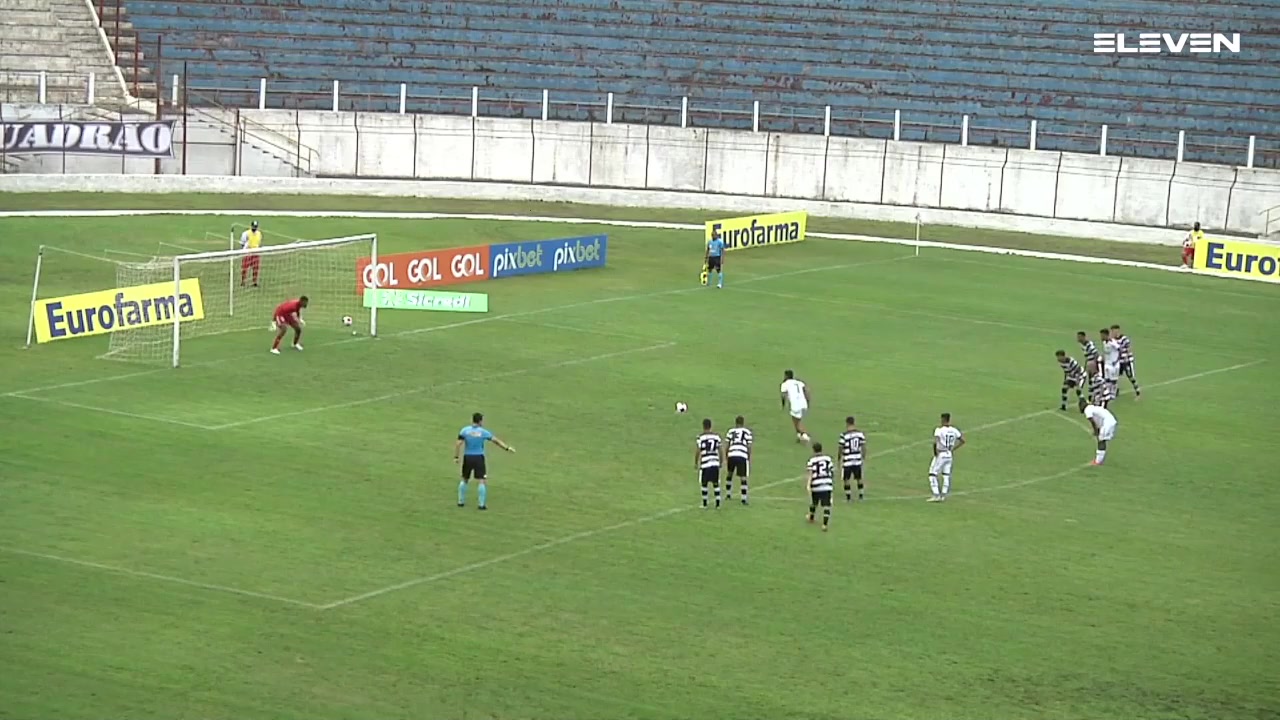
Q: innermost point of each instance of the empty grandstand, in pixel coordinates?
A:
(1002, 63)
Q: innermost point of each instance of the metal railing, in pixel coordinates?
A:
(1271, 221)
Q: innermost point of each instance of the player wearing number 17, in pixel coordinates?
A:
(288, 314)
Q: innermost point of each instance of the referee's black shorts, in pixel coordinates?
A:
(714, 263)
(473, 466)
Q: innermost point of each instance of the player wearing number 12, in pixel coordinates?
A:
(288, 314)
(469, 450)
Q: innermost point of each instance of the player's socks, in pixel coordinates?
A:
(861, 494)
(812, 510)
(826, 516)
(744, 491)
(720, 283)
(482, 493)
(704, 496)
(462, 493)
(933, 484)
(1064, 397)
(276, 345)
(728, 490)
(946, 484)
(848, 493)
(717, 496)
(1101, 455)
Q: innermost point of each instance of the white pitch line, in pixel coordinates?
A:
(156, 576)
(465, 323)
(1067, 419)
(427, 388)
(975, 491)
(1207, 373)
(585, 534)
(112, 411)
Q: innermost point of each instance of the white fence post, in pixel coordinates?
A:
(826, 122)
(1033, 134)
(1182, 144)
(404, 96)
(173, 91)
(755, 116)
(43, 87)
(608, 110)
(1253, 142)
(1102, 150)
(335, 96)
(92, 90)
(546, 101)
(475, 101)
(964, 131)
(897, 125)
(684, 112)
(262, 93)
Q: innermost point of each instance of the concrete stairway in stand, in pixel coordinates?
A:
(59, 38)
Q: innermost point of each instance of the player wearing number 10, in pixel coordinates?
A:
(471, 442)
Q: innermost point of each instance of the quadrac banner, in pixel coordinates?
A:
(547, 256)
(108, 311)
(758, 230)
(1251, 261)
(146, 139)
(426, 300)
(424, 269)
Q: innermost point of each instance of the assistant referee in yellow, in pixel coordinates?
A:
(250, 239)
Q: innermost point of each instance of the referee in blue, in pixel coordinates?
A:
(469, 450)
(714, 261)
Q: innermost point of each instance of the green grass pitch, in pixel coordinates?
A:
(169, 550)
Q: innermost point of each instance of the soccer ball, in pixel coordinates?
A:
(347, 321)
(682, 408)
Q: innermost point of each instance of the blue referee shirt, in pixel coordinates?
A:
(715, 248)
(474, 437)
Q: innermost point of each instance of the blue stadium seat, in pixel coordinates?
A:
(1002, 62)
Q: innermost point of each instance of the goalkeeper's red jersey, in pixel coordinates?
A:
(289, 308)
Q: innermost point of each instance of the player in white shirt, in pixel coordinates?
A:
(1104, 426)
(795, 399)
(1110, 360)
(946, 440)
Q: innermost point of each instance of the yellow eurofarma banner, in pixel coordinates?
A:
(753, 231)
(108, 311)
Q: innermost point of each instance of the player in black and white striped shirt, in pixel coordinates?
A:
(739, 440)
(1090, 350)
(1072, 376)
(1101, 392)
(708, 456)
(853, 447)
(1126, 359)
(820, 478)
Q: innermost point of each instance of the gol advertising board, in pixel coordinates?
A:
(424, 269)
(547, 256)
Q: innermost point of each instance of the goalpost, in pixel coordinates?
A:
(324, 270)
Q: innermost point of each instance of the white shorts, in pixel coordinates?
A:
(940, 466)
(1111, 372)
(1108, 431)
(798, 413)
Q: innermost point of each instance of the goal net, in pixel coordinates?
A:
(237, 291)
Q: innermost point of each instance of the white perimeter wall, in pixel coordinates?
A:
(870, 176)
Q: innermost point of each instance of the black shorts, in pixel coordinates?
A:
(1126, 369)
(852, 471)
(713, 263)
(1070, 382)
(820, 497)
(737, 466)
(473, 466)
(709, 475)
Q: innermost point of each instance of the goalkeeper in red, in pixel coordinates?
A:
(288, 315)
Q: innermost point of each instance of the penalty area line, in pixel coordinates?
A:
(586, 534)
(157, 576)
